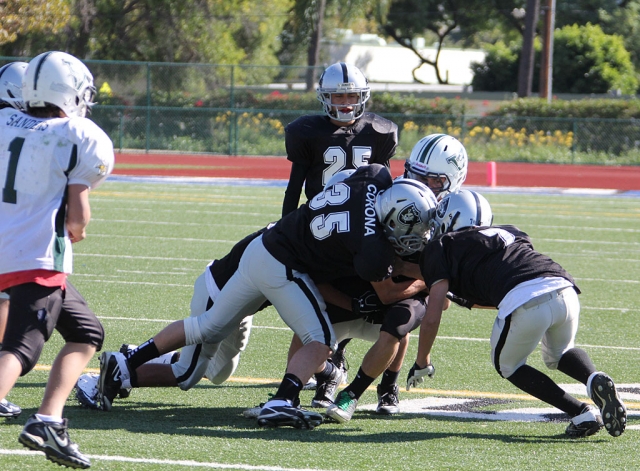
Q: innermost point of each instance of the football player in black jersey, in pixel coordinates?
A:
(345, 137)
(337, 233)
(537, 300)
(319, 146)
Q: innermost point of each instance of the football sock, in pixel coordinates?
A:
(360, 384)
(539, 385)
(49, 418)
(389, 378)
(577, 364)
(132, 381)
(142, 354)
(290, 388)
(326, 372)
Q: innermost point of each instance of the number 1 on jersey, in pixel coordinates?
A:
(9, 194)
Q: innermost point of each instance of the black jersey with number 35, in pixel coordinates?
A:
(483, 264)
(323, 147)
(336, 233)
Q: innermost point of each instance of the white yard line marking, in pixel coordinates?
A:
(443, 337)
(187, 463)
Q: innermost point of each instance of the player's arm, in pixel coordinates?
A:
(334, 296)
(78, 211)
(431, 322)
(408, 269)
(366, 304)
(294, 188)
(391, 292)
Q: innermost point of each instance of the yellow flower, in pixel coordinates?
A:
(105, 89)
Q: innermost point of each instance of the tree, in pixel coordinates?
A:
(305, 29)
(24, 18)
(625, 22)
(404, 20)
(212, 31)
(525, 71)
(590, 61)
(586, 60)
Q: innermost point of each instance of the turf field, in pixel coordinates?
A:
(147, 243)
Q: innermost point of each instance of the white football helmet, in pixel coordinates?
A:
(11, 75)
(438, 156)
(60, 79)
(405, 210)
(465, 208)
(338, 177)
(343, 78)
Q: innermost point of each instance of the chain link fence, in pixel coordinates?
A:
(242, 110)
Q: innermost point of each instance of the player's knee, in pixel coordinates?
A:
(390, 338)
(90, 334)
(398, 332)
(27, 353)
(218, 375)
(187, 380)
(186, 385)
(507, 369)
(28, 360)
(551, 362)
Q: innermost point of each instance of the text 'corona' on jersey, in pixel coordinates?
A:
(370, 210)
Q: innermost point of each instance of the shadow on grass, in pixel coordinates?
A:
(228, 423)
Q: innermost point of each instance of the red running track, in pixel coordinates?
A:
(277, 168)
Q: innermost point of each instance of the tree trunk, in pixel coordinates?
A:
(313, 53)
(525, 72)
(546, 68)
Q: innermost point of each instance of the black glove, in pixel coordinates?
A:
(459, 301)
(366, 304)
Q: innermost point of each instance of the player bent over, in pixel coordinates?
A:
(537, 300)
(319, 238)
(381, 312)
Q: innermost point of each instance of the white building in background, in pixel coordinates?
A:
(392, 63)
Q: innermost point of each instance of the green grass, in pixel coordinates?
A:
(147, 243)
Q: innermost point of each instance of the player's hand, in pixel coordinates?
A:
(76, 236)
(366, 304)
(416, 374)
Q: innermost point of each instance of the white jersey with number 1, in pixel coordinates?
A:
(39, 157)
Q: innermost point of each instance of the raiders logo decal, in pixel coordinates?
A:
(409, 215)
(441, 210)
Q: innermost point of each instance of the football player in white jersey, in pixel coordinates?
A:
(10, 96)
(51, 156)
(439, 161)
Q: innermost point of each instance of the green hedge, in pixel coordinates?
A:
(598, 131)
